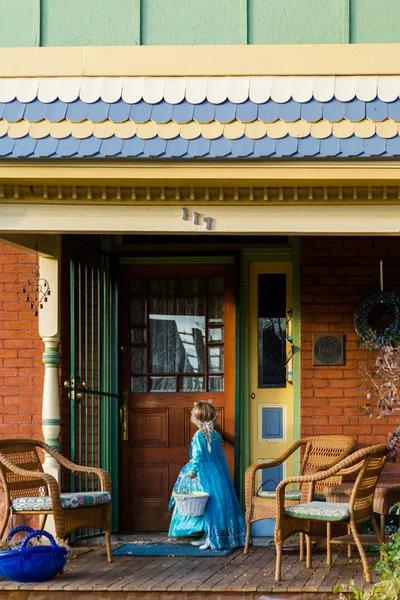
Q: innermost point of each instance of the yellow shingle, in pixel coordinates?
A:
(104, 130)
(277, 130)
(211, 131)
(364, 129)
(82, 130)
(387, 128)
(321, 129)
(169, 131)
(343, 129)
(39, 130)
(126, 130)
(60, 130)
(3, 127)
(191, 130)
(255, 130)
(147, 131)
(299, 128)
(234, 130)
(17, 130)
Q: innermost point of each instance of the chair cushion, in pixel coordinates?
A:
(289, 495)
(320, 511)
(72, 500)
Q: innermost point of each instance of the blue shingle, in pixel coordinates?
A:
(161, 112)
(268, 112)
(98, 111)
(155, 147)
(140, 112)
(220, 147)
(24, 147)
(226, 112)
(352, 146)
(330, 146)
(68, 146)
(264, 147)
(119, 111)
(374, 146)
(2, 106)
(111, 146)
(177, 147)
(289, 111)
(204, 112)
(55, 111)
(394, 110)
(77, 111)
(286, 146)
(309, 146)
(45, 147)
(247, 111)
(14, 111)
(35, 111)
(89, 146)
(392, 146)
(243, 146)
(199, 147)
(333, 111)
(354, 110)
(376, 110)
(6, 145)
(183, 112)
(311, 111)
(133, 147)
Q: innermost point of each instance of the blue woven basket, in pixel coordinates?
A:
(31, 564)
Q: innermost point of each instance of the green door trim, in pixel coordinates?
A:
(287, 254)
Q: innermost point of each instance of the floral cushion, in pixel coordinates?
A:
(320, 511)
(289, 495)
(72, 500)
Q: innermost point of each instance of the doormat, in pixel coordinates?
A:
(167, 549)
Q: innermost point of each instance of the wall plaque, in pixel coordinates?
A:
(327, 349)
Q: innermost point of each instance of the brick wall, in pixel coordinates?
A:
(21, 368)
(336, 274)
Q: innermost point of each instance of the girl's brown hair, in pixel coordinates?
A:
(204, 411)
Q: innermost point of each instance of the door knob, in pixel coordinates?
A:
(252, 396)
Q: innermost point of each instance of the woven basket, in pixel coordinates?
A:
(190, 503)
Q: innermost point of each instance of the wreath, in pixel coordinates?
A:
(378, 339)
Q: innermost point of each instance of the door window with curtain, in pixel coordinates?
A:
(177, 334)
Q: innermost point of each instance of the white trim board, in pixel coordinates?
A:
(241, 220)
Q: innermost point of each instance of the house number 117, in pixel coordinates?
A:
(206, 220)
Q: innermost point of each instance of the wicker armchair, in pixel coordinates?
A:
(320, 452)
(28, 490)
(292, 519)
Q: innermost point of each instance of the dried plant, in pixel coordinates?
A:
(382, 382)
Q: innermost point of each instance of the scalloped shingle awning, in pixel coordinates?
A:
(200, 117)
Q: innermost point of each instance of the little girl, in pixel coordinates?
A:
(223, 523)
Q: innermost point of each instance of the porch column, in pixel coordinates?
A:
(49, 332)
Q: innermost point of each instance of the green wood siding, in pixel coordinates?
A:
(19, 23)
(90, 22)
(194, 22)
(375, 21)
(130, 22)
(298, 22)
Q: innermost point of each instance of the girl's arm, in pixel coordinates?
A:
(196, 454)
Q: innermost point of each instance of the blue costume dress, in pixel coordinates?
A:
(223, 521)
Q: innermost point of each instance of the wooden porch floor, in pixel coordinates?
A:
(88, 575)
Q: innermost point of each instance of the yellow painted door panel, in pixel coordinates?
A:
(271, 390)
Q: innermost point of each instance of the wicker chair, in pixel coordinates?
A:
(28, 490)
(320, 452)
(292, 519)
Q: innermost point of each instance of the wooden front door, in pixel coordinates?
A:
(177, 347)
